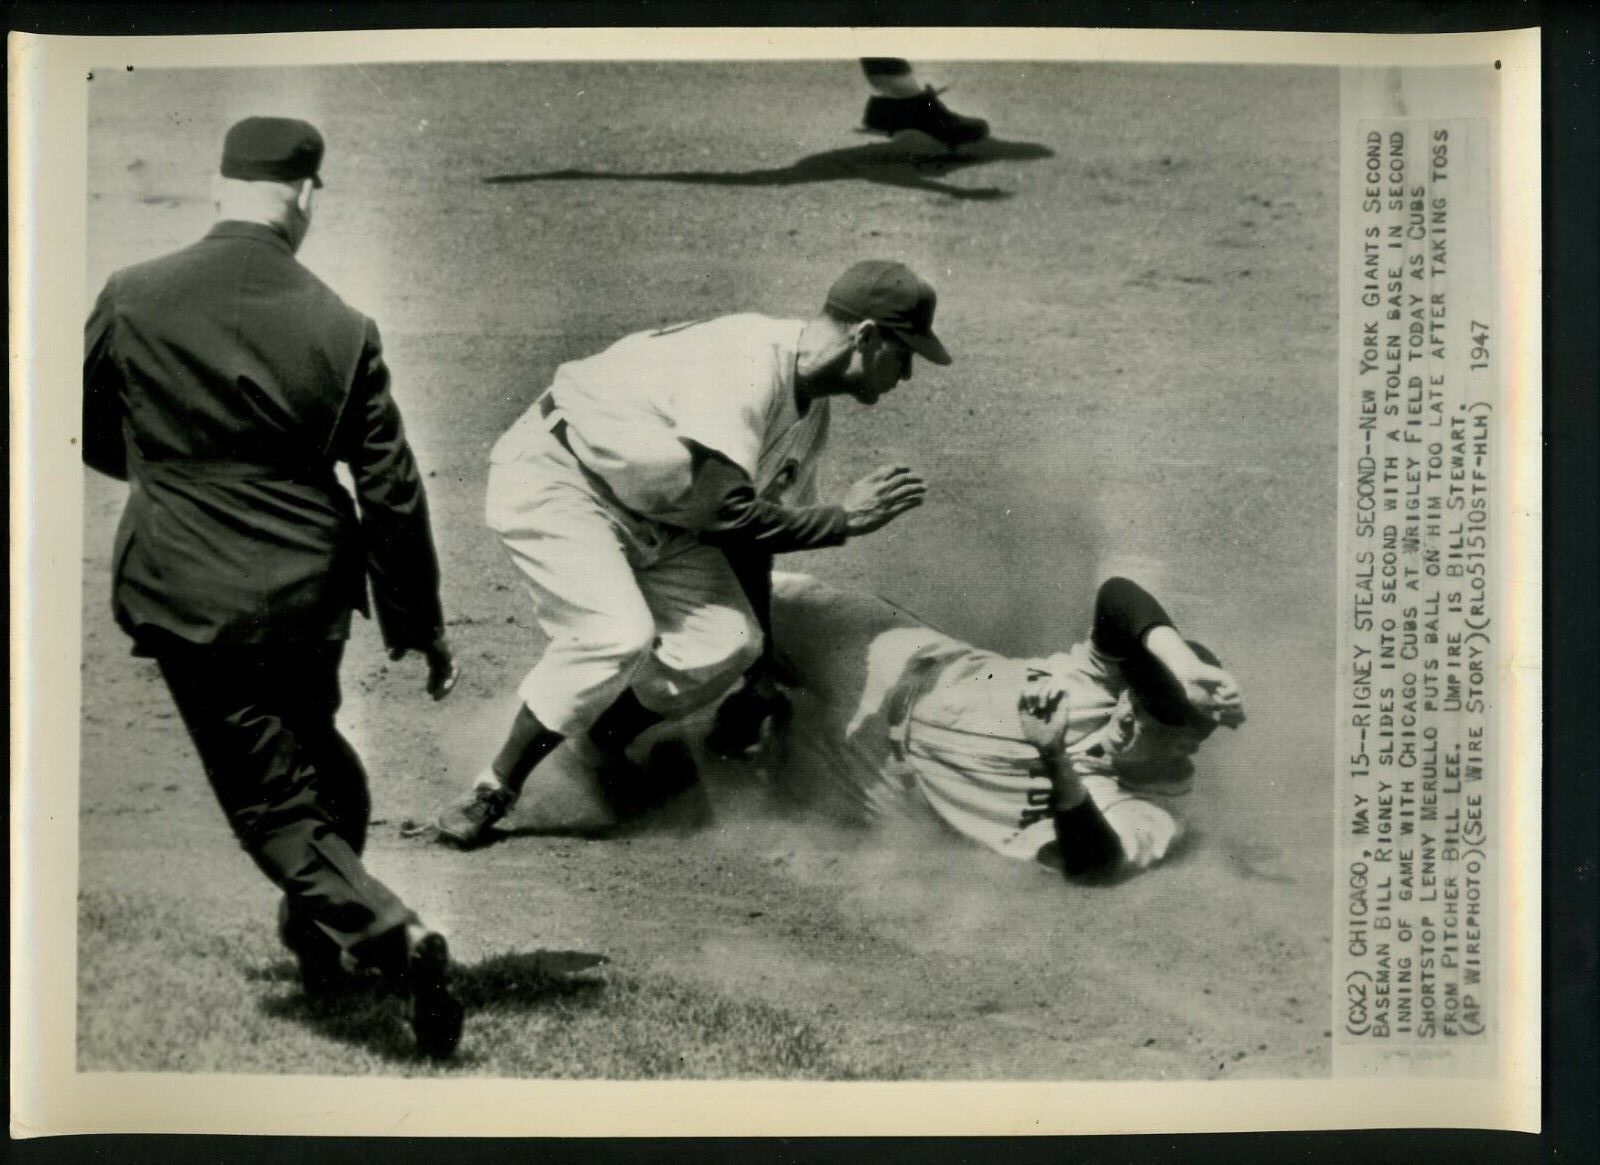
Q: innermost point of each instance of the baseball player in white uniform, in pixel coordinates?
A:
(618, 492)
(1071, 759)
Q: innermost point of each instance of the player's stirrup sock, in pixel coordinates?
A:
(528, 743)
(891, 76)
(621, 724)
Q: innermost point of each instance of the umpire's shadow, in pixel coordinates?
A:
(370, 1016)
(910, 161)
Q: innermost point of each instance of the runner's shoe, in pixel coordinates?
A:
(925, 113)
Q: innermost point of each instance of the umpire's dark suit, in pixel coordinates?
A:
(223, 383)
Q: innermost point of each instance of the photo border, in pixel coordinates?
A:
(1108, 45)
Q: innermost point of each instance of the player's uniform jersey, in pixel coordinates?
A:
(604, 491)
(725, 384)
(892, 716)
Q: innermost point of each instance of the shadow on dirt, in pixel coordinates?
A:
(501, 834)
(897, 163)
(370, 1016)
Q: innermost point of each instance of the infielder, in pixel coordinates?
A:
(1063, 759)
(617, 492)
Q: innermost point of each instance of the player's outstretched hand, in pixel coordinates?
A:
(1044, 710)
(442, 670)
(882, 496)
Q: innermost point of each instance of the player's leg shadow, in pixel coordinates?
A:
(910, 161)
(368, 1015)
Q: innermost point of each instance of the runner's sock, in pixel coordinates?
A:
(891, 77)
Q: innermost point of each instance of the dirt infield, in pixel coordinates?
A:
(1137, 280)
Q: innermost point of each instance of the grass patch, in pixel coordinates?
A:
(156, 995)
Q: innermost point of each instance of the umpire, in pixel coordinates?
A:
(223, 382)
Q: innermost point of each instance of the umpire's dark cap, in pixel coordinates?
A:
(272, 149)
(892, 296)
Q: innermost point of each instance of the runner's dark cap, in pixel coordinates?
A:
(893, 297)
(272, 149)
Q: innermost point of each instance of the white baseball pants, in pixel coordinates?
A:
(624, 600)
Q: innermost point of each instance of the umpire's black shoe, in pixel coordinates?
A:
(436, 1014)
(926, 113)
(322, 974)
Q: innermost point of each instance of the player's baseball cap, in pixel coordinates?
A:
(893, 297)
(272, 149)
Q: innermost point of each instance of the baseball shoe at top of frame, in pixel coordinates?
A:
(926, 114)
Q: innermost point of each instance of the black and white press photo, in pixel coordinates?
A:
(849, 567)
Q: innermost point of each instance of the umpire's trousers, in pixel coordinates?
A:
(294, 792)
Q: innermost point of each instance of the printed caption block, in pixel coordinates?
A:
(1415, 875)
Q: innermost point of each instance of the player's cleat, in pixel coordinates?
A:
(664, 791)
(467, 822)
(436, 1013)
(925, 113)
(322, 973)
(739, 723)
(685, 805)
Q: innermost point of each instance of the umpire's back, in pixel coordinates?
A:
(231, 351)
(224, 382)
